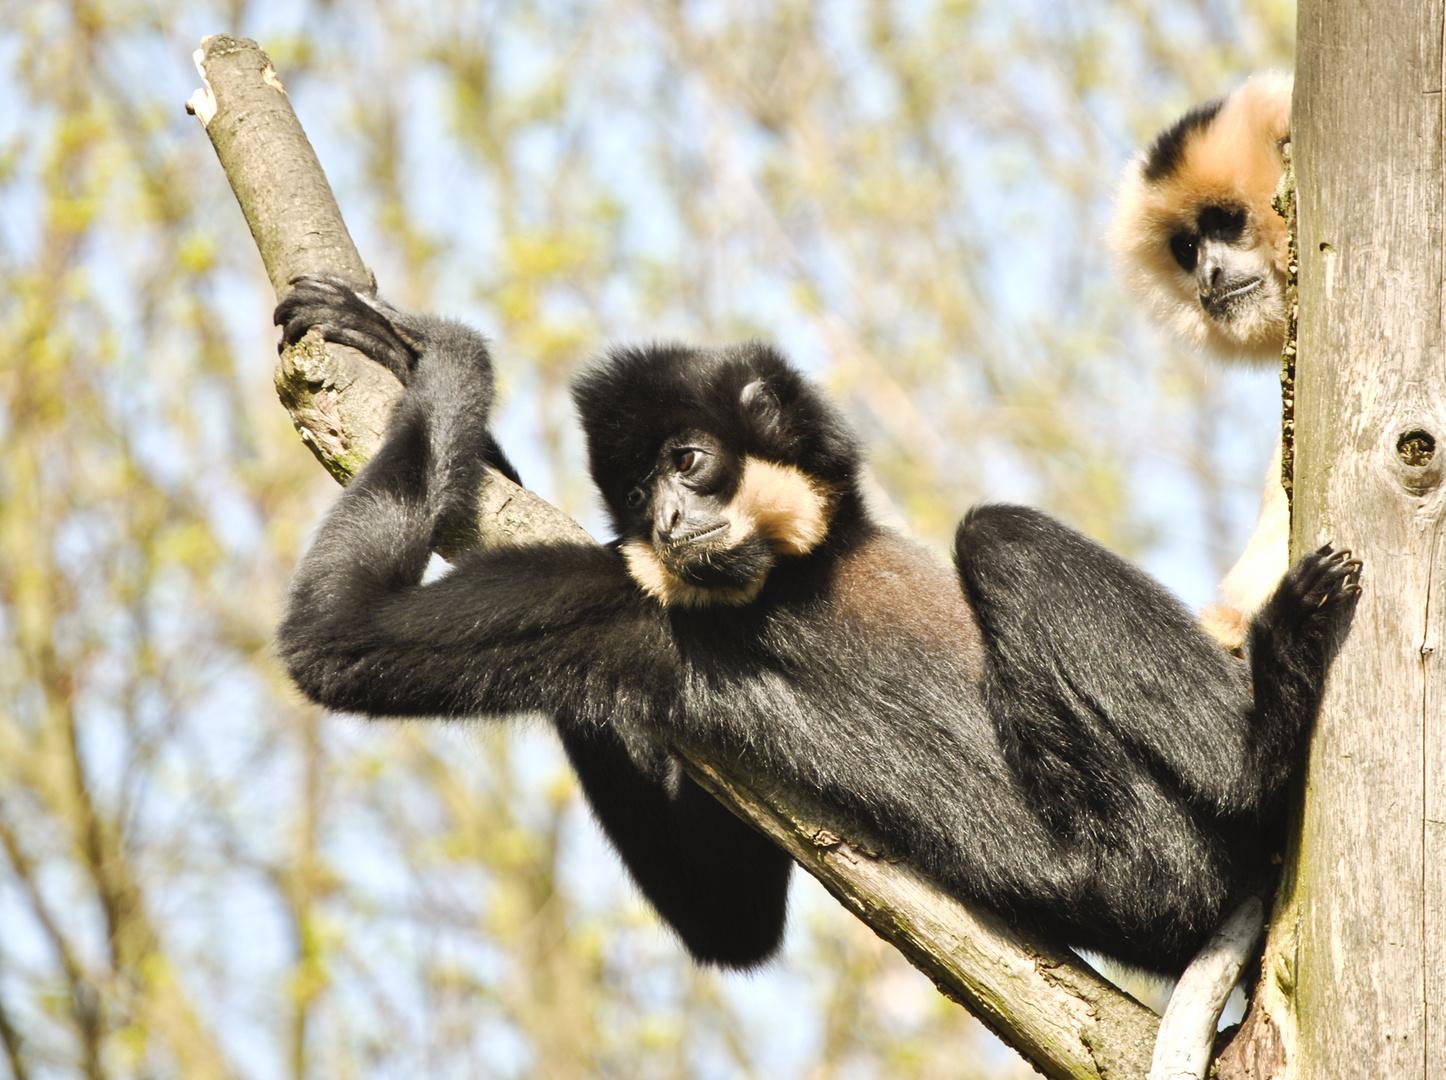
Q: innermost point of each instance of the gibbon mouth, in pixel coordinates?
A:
(696, 537)
(1216, 303)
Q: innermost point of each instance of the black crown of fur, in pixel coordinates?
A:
(633, 399)
(1165, 153)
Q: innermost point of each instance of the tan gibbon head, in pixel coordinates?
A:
(1194, 229)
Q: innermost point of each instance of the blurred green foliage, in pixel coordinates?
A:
(201, 876)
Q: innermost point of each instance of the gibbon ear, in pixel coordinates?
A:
(761, 406)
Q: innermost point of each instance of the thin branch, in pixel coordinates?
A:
(1187, 1030)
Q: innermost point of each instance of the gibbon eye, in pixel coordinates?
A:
(635, 498)
(1183, 247)
(687, 460)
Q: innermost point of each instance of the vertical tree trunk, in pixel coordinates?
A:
(1366, 892)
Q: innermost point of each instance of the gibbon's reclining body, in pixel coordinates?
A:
(1053, 737)
(1198, 237)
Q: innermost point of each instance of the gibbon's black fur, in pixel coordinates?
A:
(1047, 733)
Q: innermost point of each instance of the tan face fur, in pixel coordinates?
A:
(789, 509)
(1233, 161)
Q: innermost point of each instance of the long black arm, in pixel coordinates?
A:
(558, 629)
(541, 628)
(721, 885)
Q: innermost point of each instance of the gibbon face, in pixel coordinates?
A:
(1194, 227)
(707, 527)
(714, 464)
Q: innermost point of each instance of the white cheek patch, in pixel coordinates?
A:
(782, 503)
(779, 502)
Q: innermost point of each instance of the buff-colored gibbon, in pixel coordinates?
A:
(1197, 237)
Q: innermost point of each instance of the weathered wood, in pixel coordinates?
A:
(1038, 997)
(271, 166)
(1187, 1030)
(338, 399)
(1041, 998)
(1367, 887)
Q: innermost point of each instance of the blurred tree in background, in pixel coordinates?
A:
(199, 875)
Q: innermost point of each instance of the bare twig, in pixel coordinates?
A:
(1187, 1031)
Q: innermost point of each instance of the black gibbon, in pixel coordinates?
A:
(1047, 733)
(1197, 236)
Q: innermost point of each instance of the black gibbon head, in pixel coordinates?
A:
(713, 463)
(1194, 228)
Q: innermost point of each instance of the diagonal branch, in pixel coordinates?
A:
(1038, 996)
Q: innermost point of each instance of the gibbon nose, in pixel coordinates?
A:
(1209, 275)
(668, 517)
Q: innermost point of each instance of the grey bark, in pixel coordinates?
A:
(1356, 958)
(1370, 880)
(1187, 1030)
(1038, 996)
(338, 399)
